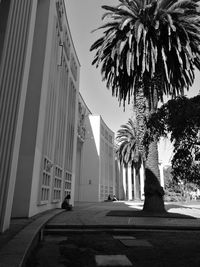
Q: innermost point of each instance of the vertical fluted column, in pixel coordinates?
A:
(130, 194)
(11, 75)
(162, 182)
(142, 178)
(134, 183)
(124, 175)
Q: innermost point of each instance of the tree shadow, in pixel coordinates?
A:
(141, 213)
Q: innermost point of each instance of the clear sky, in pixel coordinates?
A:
(83, 17)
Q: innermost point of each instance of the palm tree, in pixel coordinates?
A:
(148, 49)
(128, 151)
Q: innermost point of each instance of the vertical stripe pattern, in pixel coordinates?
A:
(11, 73)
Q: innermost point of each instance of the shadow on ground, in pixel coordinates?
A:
(79, 250)
(141, 213)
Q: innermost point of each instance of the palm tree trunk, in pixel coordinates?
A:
(153, 191)
(136, 182)
(152, 159)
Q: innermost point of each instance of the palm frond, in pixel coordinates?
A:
(106, 25)
(144, 37)
(183, 4)
(110, 8)
(127, 150)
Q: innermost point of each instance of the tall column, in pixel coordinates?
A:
(124, 181)
(142, 177)
(130, 193)
(79, 155)
(74, 147)
(134, 183)
(120, 180)
(30, 130)
(161, 175)
(13, 63)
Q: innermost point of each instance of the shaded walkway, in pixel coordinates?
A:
(123, 215)
(92, 216)
(87, 237)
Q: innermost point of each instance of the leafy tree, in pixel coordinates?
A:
(173, 190)
(128, 152)
(149, 49)
(184, 167)
(167, 175)
(181, 118)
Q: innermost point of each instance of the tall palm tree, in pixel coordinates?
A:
(128, 151)
(148, 49)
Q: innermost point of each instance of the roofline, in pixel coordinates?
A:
(71, 34)
(101, 118)
(107, 125)
(85, 103)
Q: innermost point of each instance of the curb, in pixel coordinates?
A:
(58, 229)
(17, 250)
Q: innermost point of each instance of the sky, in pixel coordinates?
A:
(83, 17)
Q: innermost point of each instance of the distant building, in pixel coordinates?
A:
(95, 171)
(39, 85)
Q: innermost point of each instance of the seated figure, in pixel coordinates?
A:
(65, 204)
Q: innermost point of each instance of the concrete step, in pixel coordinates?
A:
(92, 230)
(89, 226)
(119, 230)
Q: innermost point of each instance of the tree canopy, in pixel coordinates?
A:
(144, 38)
(181, 118)
(148, 49)
(127, 150)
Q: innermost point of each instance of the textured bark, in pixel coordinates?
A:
(153, 191)
(152, 159)
(137, 183)
(144, 105)
(140, 106)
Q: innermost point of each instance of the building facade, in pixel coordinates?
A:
(39, 81)
(95, 169)
(130, 186)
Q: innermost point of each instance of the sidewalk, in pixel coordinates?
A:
(17, 242)
(20, 239)
(95, 214)
(87, 237)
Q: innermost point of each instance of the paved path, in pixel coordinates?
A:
(16, 245)
(96, 249)
(90, 238)
(95, 214)
(13, 252)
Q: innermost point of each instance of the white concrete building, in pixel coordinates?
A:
(39, 81)
(95, 169)
(129, 186)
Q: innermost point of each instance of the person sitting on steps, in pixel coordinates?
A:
(66, 203)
